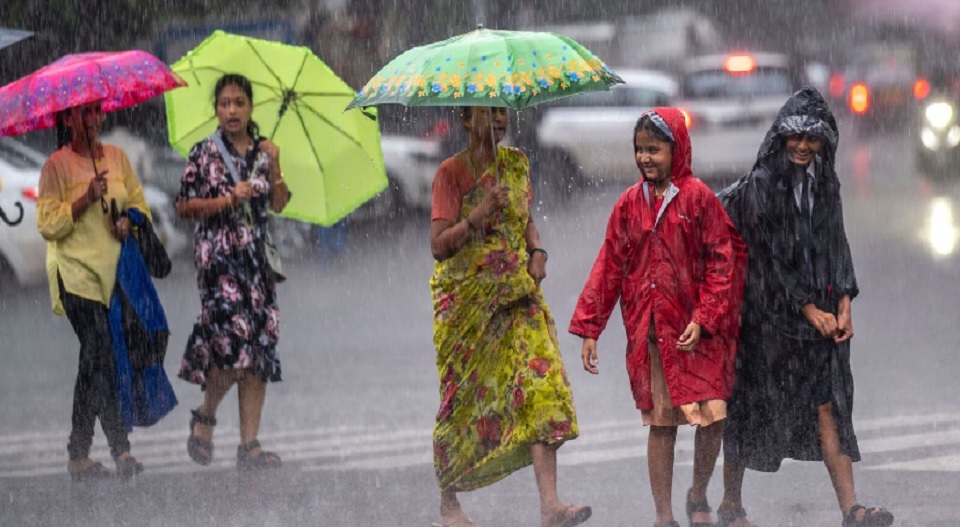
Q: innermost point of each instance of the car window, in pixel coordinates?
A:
(619, 95)
(718, 84)
(16, 157)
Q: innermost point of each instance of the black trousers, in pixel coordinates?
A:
(95, 394)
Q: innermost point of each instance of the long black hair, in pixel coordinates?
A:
(235, 79)
(64, 133)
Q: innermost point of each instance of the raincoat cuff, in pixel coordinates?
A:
(583, 332)
(707, 328)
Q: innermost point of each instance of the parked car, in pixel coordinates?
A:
(411, 163)
(22, 249)
(731, 101)
(592, 131)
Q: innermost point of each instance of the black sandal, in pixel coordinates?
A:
(265, 459)
(200, 450)
(700, 506)
(92, 472)
(128, 467)
(728, 518)
(872, 517)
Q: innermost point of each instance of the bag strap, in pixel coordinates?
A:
(231, 166)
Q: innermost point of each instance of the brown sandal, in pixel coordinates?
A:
(571, 515)
(872, 517)
(200, 450)
(92, 472)
(246, 462)
(128, 467)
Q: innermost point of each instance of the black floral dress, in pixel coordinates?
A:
(239, 323)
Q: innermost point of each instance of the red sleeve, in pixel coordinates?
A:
(448, 191)
(603, 287)
(718, 250)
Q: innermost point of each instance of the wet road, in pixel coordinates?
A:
(352, 418)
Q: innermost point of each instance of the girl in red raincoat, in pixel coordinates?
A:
(674, 260)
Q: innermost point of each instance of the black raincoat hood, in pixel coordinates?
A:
(806, 111)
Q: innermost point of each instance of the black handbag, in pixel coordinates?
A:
(154, 253)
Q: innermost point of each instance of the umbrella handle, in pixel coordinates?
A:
(7, 220)
(96, 173)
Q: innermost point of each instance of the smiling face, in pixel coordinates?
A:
(654, 156)
(234, 109)
(803, 148)
(480, 120)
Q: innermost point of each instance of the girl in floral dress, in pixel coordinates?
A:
(235, 337)
(505, 399)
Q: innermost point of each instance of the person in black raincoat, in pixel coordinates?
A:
(793, 390)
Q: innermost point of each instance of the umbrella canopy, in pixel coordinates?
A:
(8, 36)
(117, 79)
(331, 159)
(514, 69)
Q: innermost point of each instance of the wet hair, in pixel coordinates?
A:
(645, 124)
(235, 79)
(64, 133)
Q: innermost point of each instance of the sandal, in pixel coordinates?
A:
(872, 517)
(128, 467)
(246, 462)
(92, 472)
(571, 515)
(700, 506)
(728, 518)
(200, 450)
(470, 523)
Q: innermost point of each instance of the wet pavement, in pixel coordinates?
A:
(352, 418)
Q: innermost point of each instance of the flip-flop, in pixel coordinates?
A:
(572, 515)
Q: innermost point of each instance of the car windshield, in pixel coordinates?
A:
(619, 95)
(718, 84)
(17, 155)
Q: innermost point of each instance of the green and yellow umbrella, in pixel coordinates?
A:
(332, 159)
(513, 69)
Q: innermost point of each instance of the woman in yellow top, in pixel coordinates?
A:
(82, 256)
(505, 399)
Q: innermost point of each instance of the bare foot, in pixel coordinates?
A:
(701, 517)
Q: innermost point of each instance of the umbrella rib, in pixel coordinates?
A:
(313, 148)
(194, 70)
(266, 65)
(328, 122)
(293, 89)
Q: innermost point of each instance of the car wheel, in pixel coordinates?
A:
(8, 279)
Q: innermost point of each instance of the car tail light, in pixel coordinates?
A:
(739, 64)
(837, 84)
(859, 98)
(921, 89)
(687, 118)
(31, 193)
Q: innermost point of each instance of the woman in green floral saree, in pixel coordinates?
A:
(505, 398)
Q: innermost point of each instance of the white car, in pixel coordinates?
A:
(595, 130)
(731, 101)
(22, 250)
(411, 163)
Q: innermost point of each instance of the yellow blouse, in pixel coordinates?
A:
(83, 252)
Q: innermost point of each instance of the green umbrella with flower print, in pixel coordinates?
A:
(513, 69)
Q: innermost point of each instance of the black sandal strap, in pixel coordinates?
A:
(729, 516)
(243, 451)
(872, 517)
(204, 420)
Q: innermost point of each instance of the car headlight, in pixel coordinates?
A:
(939, 114)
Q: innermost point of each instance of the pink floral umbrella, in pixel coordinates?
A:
(116, 79)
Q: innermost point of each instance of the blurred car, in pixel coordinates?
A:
(411, 163)
(730, 101)
(22, 249)
(589, 136)
(882, 81)
(937, 142)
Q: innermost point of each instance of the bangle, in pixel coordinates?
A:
(540, 250)
(470, 224)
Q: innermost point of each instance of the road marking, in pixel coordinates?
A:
(382, 447)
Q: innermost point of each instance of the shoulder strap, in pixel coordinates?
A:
(227, 158)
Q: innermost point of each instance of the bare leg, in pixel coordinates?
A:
(839, 465)
(706, 451)
(252, 393)
(545, 472)
(733, 491)
(219, 382)
(660, 453)
(451, 515)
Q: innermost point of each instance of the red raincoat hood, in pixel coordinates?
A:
(682, 149)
